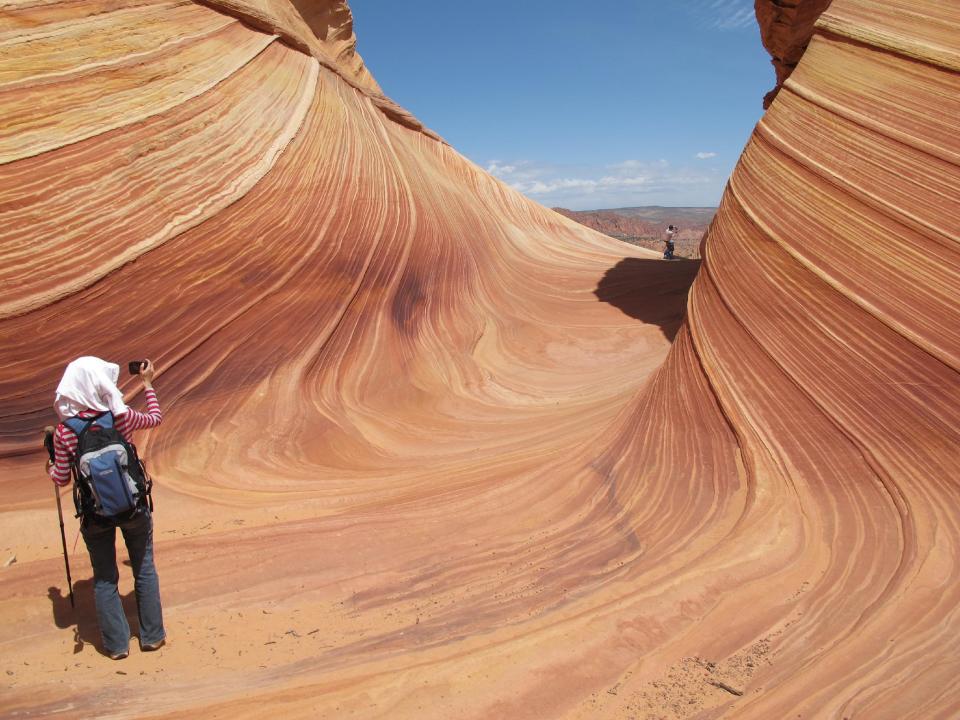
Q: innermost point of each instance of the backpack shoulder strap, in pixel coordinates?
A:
(80, 425)
(105, 420)
(77, 424)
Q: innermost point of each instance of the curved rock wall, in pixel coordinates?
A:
(431, 450)
(322, 29)
(786, 29)
(825, 319)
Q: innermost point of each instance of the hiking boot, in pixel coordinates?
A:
(150, 647)
(119, 655)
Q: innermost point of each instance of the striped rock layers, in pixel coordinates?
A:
(431, 450)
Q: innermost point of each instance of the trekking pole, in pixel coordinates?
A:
(48, 444)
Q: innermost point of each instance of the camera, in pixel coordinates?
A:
(135, 366)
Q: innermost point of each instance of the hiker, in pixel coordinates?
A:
(95, 421)
(668, 243)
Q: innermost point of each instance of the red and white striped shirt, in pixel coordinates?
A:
(65, 439)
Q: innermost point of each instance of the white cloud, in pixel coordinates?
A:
(725, 14)
(585, 185)
(498, 169)
(622, 184)
(705, 155)
(635, 164)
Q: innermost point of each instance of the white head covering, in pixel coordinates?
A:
(89, 383)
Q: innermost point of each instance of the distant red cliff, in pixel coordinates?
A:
(645, 226)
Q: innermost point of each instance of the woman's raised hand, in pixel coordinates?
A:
(146, 374)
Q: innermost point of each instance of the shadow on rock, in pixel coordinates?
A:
(651, 290)
(83, 617)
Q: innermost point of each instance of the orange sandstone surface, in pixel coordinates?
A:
(434, 451)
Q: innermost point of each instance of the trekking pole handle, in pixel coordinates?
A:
(48, 441)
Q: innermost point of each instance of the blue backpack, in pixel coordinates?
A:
(109, 479)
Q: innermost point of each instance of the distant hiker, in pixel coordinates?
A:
(111, 491)
(668, 243)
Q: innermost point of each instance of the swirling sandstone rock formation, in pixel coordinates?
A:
(432, 450)
(786, 29)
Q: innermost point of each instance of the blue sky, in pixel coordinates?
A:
(611, 103)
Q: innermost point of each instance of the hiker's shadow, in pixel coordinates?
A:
(651, 290)
(83, 617)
